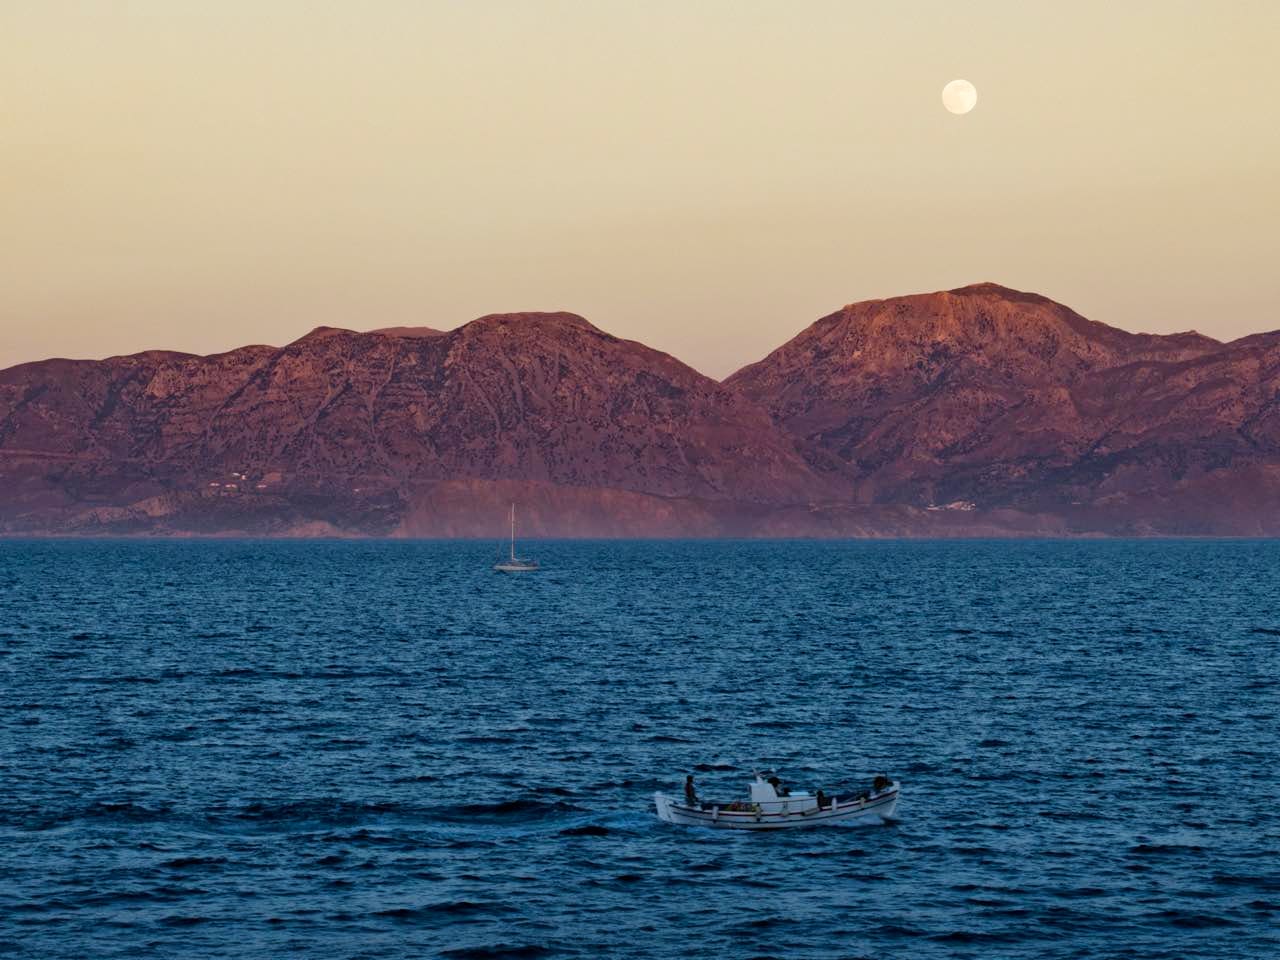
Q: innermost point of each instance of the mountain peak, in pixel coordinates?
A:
(988, 288)
(409, 333)
(986, 321)
(534, 319)
(323, 333)
(965, 302)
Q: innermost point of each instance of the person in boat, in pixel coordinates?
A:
(778, 788)
(822, 799)
(690, 794)
(881, 782)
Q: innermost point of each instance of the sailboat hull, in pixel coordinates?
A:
(515, 566)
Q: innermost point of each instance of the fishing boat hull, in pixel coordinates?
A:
(782, 815)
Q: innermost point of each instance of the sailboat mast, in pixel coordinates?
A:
(513, 531)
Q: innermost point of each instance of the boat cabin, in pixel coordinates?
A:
(764, 794)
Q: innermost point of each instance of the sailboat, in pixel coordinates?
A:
(514, 564)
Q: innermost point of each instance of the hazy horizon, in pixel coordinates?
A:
(706, 179)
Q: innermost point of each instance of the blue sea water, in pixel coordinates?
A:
(383, 749)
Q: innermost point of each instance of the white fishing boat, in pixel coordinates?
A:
(772, 809)
(514, 564)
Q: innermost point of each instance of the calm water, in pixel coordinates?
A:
(383, 749)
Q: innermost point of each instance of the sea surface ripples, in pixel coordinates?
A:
(376, 749)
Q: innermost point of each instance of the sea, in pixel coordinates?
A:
(378, 749)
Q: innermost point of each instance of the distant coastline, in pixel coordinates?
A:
(976, 412)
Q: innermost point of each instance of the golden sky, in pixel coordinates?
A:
(707, 176)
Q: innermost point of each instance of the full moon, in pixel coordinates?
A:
(959, 96)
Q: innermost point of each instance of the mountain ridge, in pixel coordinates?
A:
(976, 411)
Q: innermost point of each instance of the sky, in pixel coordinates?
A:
(705, 176)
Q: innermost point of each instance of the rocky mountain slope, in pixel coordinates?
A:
(989, 397)
(344, 431)
(978, 411)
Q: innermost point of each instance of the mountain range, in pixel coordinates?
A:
(981, 411)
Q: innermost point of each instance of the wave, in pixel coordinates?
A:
(443, 908)
(182, 921)
(499, 951)
(1195, 921)
(185, 863)
(897, 931)
(507, 811)
(1271, 883)
(588, 830)
(161, 894)
(1164, 849)
(103, 811)
(975, 936)
(322, 809)
(1074, 893)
